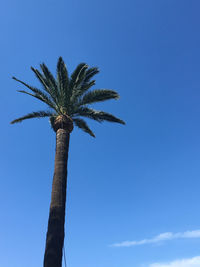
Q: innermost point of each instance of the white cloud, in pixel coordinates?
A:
(192, 262)
(159, 238)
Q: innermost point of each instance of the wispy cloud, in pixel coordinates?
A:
(192, 262)
(159, 238)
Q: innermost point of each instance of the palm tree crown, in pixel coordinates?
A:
(69, 98)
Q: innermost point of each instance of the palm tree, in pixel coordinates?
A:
(68, 99)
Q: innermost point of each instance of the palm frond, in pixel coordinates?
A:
(86, 112)
(86, 86)
(49, 79)
(33, 89)
(44, 99)
(76, 73)
(98, 96)
(38, 114)
(83, 125)
(84, 83)
(45, 84)
(104, 116)
(81, 76)
(81, 90)
(90, 73)
(76, 81)
(38, 94)
(96, 115)
(63, 81)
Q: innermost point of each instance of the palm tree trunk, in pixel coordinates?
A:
(55, 232)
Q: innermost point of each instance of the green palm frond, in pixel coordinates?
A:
(45, 84)
(76, 74)
(43, 98)
(86, 112)
(63, 82)
(98, 96)
(49, 79)
(104, 116)
(38, 94)
(86, 86)
(96, 115)
(81, 76)
(33, 89)
(90, 73)
(38, 114)
(85, 83)
(83, 125)
(79, 92)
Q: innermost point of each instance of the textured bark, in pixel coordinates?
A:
(56, 223)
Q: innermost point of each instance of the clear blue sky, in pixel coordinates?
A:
(130, 183)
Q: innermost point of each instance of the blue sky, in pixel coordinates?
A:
(133, 183)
